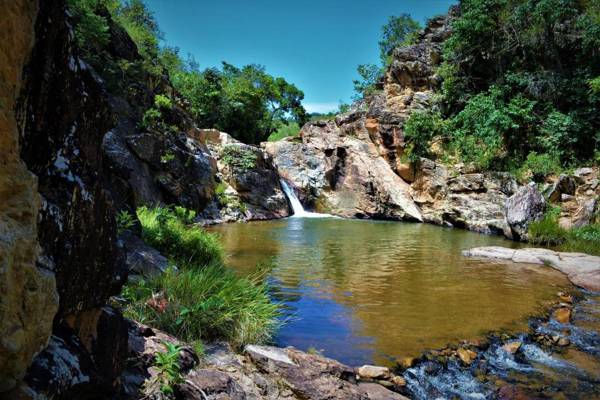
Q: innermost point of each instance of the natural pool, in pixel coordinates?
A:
(370, 292)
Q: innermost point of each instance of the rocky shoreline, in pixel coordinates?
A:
(286, 373)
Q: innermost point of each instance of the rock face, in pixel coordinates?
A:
(352, 166)
(64, 115)
(456, 197)
(28, 299)
(582, 270)
(338, 170)
(247, 190)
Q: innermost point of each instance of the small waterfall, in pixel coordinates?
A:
(297, 208)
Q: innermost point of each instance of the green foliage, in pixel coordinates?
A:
(125, 221)
(285, 130)
(246, 102)
(547, 231)
(419, 129)
(170, 230)
(369, 76)
(162, 102)
(205, 303)
(238, 157)
(542, 56)
(91, 29)
(398, 31)
(489, 127)
(595, 84)
(156, 118)
(167, 158)
(168, 370)
(539, 166)
(203, 299)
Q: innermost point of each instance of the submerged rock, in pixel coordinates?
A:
(583, 270)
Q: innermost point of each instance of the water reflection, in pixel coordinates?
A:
(368, 291)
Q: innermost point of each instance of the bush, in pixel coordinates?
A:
(539, 166)
(208, 303)
(168, 372)
(170, 231)
(420, 128)
(490, 128)
(238, 157)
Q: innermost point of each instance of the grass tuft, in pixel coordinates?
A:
(548, 232)
(203, 300)
(169, 230)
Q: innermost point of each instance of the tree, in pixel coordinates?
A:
(398, 31)
(369, 76)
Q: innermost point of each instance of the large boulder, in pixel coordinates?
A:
(28, 299)
(525, 206)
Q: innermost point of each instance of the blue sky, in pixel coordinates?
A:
(314, 44)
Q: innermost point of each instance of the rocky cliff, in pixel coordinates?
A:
(28, 299)
(354, 166)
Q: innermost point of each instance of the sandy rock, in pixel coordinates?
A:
(373, 372)
(512, 347)
(466, 356)
(562, 315)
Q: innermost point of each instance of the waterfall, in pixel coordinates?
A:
(297, 208)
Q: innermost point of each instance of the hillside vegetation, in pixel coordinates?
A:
(520, 87)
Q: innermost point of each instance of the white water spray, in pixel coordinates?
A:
(297, 208)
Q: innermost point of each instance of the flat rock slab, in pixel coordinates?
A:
(583, 270)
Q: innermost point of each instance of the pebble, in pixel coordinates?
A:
(512, 347)
(562, 315)
(466, 356)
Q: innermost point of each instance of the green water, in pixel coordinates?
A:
(363, 291)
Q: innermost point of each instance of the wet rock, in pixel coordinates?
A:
(510, 392)
(373, 372)
(562, 315)
(398, 381)
(512, 347)
(523, 207)
(142, 260)
(407, 362)
(582, 269)
(466, 356)
(565, 297)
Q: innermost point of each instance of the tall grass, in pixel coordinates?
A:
(169, 230)
(202, 300)
(548, 232)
